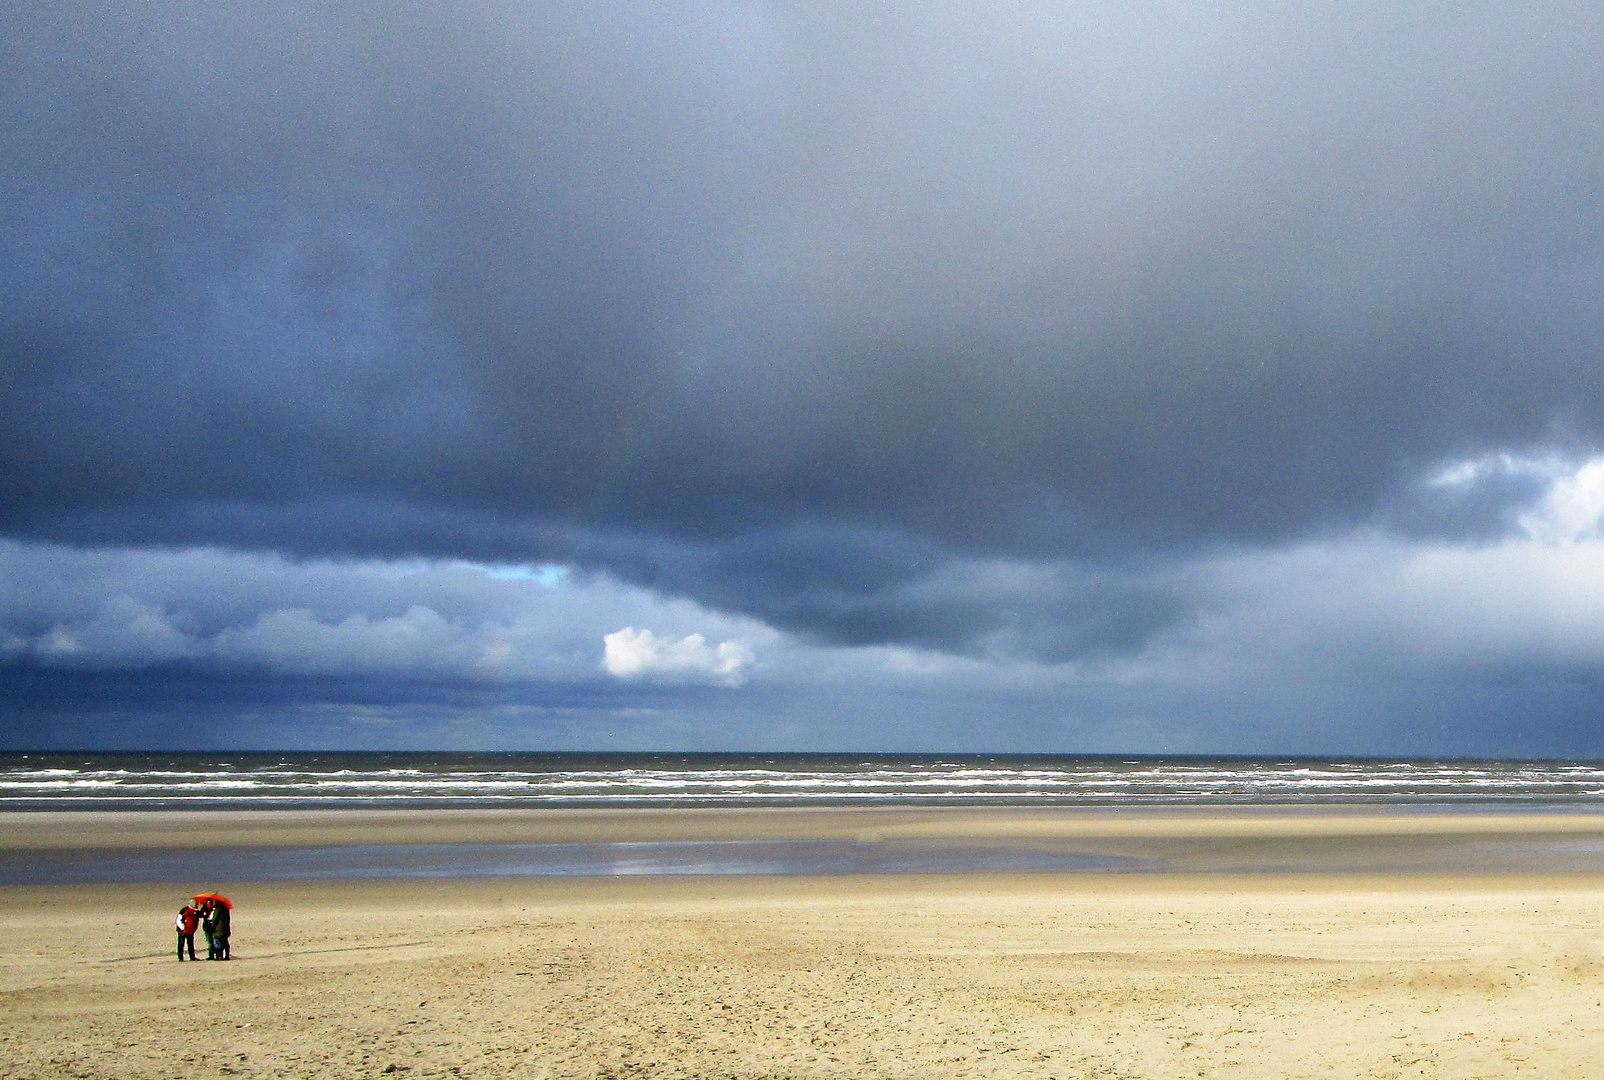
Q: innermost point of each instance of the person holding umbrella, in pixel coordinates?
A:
(215, 919)
(206, 925)
(220, 928)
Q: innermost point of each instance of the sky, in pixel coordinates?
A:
(1067, 377)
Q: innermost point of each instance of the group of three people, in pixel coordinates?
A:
(211, 916)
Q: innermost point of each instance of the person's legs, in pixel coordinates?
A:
(189, 940)
(211, 946)
(181, 948)
(222, 949)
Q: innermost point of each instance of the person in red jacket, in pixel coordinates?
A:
(188, 919)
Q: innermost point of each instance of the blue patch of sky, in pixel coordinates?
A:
(549, 575)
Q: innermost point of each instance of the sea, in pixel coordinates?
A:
(168, 781)
(298, 781)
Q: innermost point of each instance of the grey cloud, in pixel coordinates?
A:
(864, 588)
(849, 585)
(1032, 280)
(970, 332)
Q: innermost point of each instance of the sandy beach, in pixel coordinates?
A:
(1209, 972)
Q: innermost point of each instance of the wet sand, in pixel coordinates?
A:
(1245, 840)
(1286, 974)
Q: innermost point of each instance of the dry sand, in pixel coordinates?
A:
(1078, 975)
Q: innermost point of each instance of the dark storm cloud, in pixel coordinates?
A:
(795, 311)
(866, 587)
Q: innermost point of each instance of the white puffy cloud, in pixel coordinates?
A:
(1468, 472)
(631, 653)
(1572, 500)
(1570, 511)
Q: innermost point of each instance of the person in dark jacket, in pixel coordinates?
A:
(188, 919)
(208, 914)
(220, 928)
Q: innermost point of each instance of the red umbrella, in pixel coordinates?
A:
(215, 896)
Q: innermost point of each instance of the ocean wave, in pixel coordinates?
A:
(126, 780)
